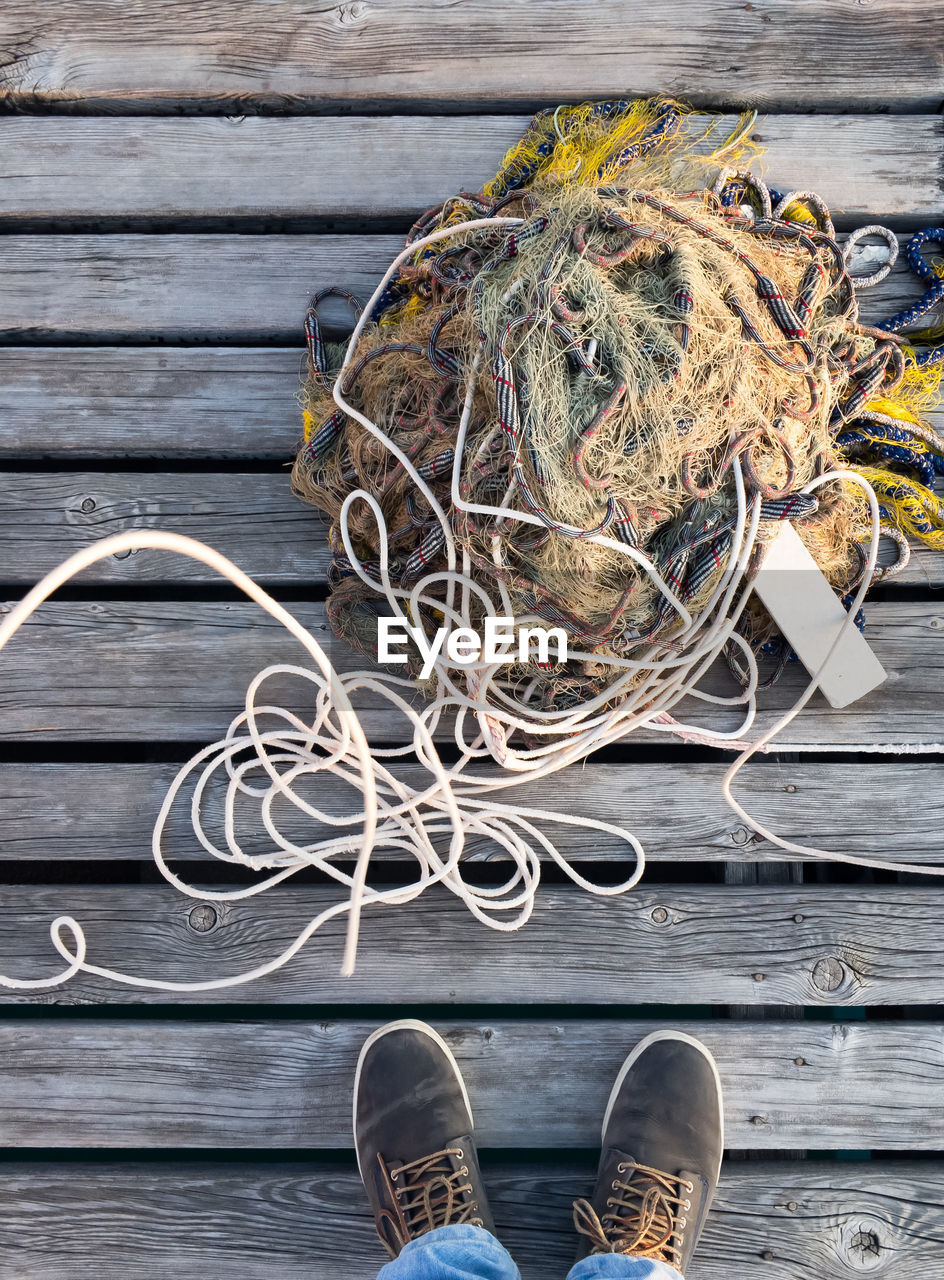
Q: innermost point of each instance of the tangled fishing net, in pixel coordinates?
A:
(575, 387)
(586, 398)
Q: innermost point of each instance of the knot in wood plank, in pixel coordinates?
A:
(203, 918)
(829, 974)
(862, 1246)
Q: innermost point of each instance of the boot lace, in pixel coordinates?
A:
(434, 1191)
(642, 1216)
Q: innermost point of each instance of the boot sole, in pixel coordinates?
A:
(640, 1049)
(405, 1024)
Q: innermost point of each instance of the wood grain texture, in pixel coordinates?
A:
(200, 288)
(742, 945)
(308, 1220)
(63, 811)
(173, 402)
(822, 975)
(179, 286)
(254, 518)
(237, 167)
(179, 671)
(287, 1084)
(121, 53)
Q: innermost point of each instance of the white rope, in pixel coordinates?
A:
(268, 750)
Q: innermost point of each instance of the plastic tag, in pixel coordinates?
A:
(804, 606)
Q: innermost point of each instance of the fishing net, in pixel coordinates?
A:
(589, 382)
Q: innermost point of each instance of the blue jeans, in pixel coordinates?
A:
(462, 1252)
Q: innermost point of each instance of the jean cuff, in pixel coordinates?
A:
(456, 1232)
(620, 1266)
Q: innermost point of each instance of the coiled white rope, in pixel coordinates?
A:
(455, 804)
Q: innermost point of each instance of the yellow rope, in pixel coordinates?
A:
(911, 506)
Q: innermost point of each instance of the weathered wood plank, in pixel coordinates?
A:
(171, 402)
(769, 874)
(862, 166)
(195, 287)
(202, 287)
(117, 402)
(287, 1084)
(47, 811)
(179, 671)
(738, 945)
(720, 52)
(254, 518)
(856, 165)
(309, 1220)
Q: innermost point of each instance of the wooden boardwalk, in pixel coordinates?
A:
(176, 179)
